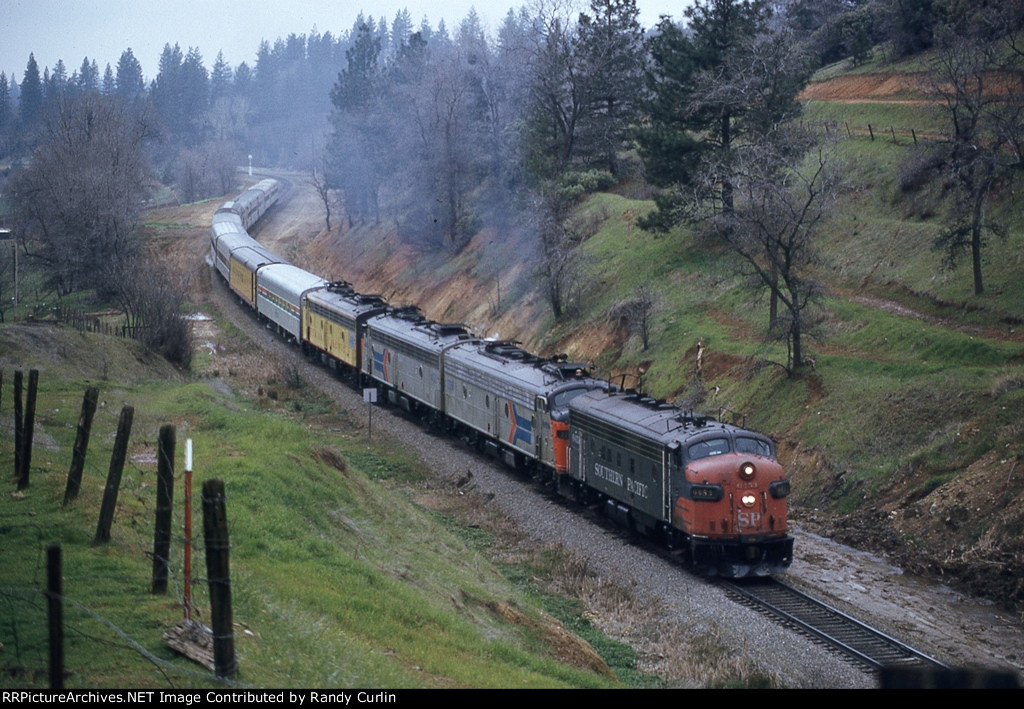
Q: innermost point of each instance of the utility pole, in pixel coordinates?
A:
(8, 235)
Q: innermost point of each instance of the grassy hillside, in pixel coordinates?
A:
(904, 437)
(338, 578)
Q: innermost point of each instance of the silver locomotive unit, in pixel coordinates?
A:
(713, 491)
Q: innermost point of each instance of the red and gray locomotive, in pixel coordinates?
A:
(714, 491)
(709, 489)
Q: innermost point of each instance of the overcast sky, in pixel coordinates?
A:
(102, 29)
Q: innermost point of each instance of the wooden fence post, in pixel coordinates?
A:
(55, 606)
(19, 421)
(124, 429)
(164, 507)
(215, 530)
(29, 426)
(92, 395)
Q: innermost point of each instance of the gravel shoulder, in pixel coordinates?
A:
(656, 606)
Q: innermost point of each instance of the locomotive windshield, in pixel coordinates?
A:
(717, 446)
(708, 448)
(754, 446)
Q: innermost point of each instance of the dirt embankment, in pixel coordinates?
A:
(889, 87)
(937, 523)
(296, 229)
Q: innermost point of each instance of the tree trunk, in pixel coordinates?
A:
(727, 188)
(798, 352)
(976, 227)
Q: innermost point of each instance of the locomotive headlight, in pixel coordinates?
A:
(747, 471)
(748, 500)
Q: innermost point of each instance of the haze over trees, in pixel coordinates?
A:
(445, 131)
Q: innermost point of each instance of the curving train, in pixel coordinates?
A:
(712, 491)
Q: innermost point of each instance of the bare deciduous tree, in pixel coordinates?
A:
(562, 262)
(979, 77)
(784, 200)
(638, 312)
(78, 203)
(323, 190)
(151, 295)
(80, 196)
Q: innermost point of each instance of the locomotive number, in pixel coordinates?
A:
(747, 519)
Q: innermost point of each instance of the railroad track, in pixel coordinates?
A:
(872, 649)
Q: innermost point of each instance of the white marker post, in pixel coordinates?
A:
(370, 397)
(188, 529)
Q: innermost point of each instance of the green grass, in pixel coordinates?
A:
(906, 355)
(337, 578)
(852, 120)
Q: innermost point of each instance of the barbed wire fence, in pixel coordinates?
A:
(25, 642)
(902, 136)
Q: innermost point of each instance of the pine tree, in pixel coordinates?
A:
(220, 78)
(243, 81)
(610, 49)
(690, 119)
(359, 140)
(6, 114)
(401, 30)
(57, 82)
(31, 101)
(88, 77)
(166, 90)
(130, 84)
(109, 83)
(195, 89)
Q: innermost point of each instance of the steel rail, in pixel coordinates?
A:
(868, 646)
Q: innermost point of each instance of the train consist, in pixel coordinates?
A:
(712, 491)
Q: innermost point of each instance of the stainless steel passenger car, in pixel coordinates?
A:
(280, 289)
(255, 201)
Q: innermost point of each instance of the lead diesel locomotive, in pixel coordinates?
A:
(711, 491)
